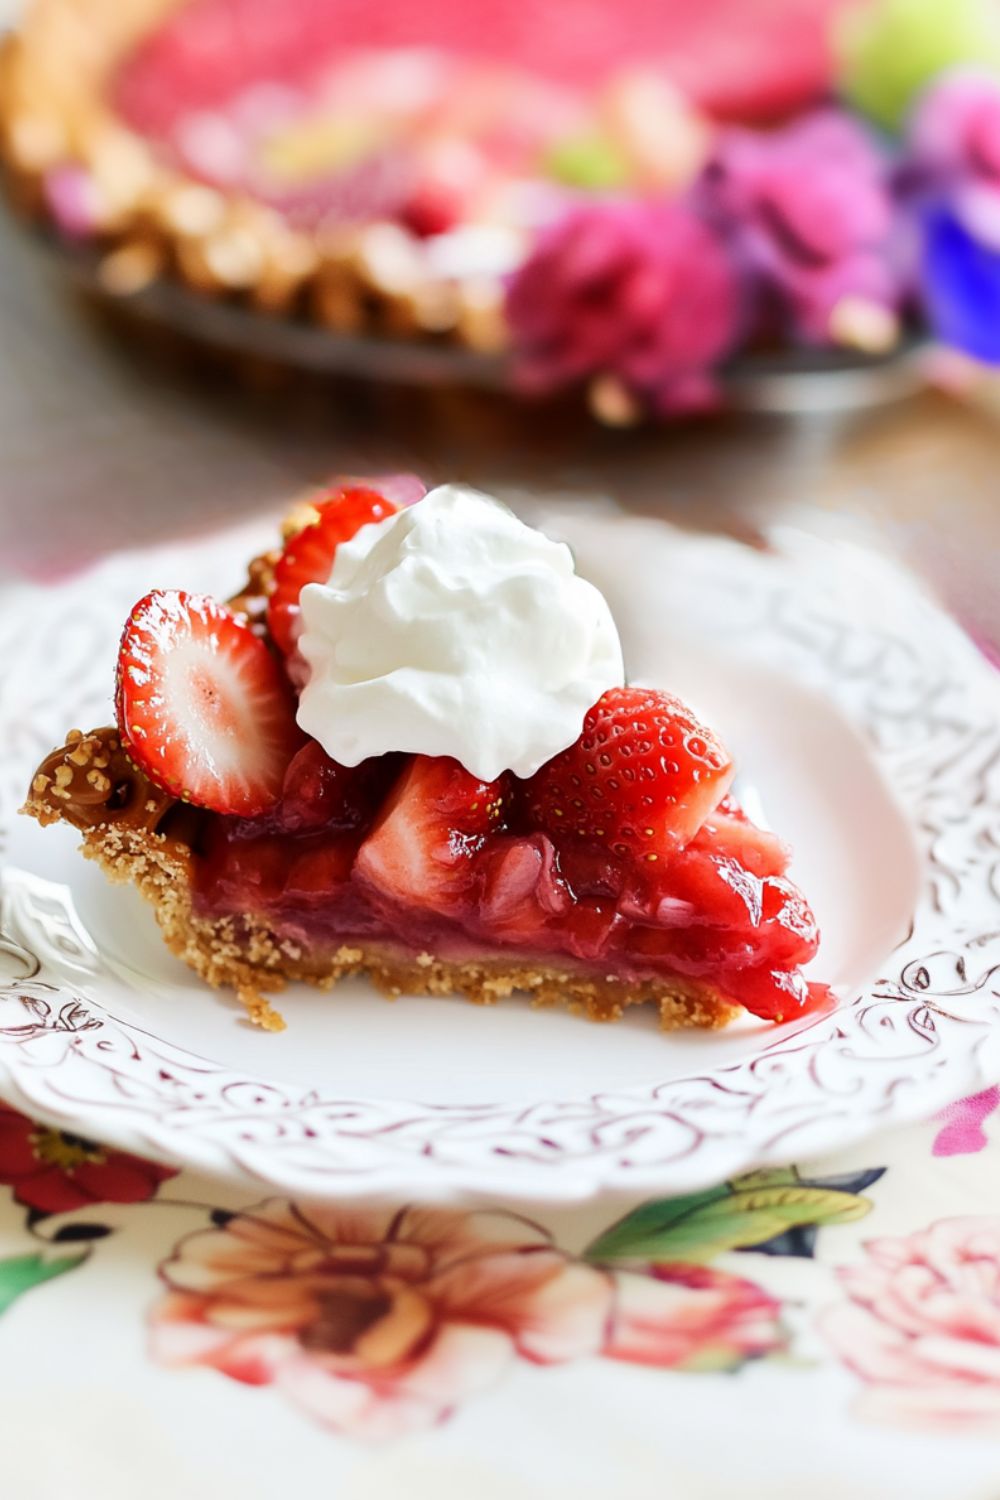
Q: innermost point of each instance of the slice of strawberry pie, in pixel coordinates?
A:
(407, 749)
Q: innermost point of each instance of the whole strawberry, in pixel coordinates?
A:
(641, 779)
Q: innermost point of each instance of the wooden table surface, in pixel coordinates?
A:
(109, 440)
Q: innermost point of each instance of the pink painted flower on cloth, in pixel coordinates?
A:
(962, 1132)
(691, 1318)
(809, 212)
(641, 290)
(922, 1327)
(380, 1322)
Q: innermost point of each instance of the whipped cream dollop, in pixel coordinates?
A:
(452, 628)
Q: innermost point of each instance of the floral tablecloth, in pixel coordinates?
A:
(829, 1329)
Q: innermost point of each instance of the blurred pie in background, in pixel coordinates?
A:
(619, 192)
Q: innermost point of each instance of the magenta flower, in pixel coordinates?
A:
(809, 211)
(962, 1131)
(643, 291)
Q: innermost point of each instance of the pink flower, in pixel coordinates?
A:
(955, 128)
(922, 1328)
(644, 291)
(954, 144)
(810, 212)
(691, 1318)
(379, 1322)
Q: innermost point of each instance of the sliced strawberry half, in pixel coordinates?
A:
(203, 707)
(308, 555)
(434, 821)
(641, 779)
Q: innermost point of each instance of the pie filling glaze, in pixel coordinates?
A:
(402, 875)
(251, 902)
(411, 870)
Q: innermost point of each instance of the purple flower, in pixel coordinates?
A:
(809, 212)
(643, 291)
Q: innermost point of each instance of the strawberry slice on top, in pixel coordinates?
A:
(203, 707)
(308, 555)
(434, 821)
(641, 779)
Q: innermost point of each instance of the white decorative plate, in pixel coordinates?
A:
(862, 717)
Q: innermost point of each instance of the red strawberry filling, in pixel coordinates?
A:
(418, 855)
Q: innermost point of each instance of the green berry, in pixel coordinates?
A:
(889, 51)
(590, 162)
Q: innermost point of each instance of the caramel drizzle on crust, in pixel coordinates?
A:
(90, 781)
